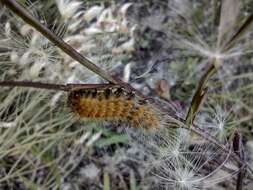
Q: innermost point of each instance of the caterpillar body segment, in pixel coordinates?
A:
(112, 104)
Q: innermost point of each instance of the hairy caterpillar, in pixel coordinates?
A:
(112, 104)
(103, 102)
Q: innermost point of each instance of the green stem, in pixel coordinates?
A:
(200, 93)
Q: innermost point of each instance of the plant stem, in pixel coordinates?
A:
(200, 93)
(48, 86)
(38, 85)
(239, 33)
(238, 149)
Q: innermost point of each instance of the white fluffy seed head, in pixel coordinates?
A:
(176, 163)
(69, 8)
(93, 13)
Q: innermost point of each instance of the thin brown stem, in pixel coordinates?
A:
(37, 85)
(238, 149)
(239, 33)
(48, 86)
(200, 93)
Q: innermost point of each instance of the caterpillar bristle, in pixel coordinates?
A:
(113, 104)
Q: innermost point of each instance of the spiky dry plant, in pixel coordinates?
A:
(36, 123)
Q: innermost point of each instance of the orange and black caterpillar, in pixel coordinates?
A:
(112, 104)
(103, 102)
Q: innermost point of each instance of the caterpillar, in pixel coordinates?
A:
(112, 104)
(102, 102)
